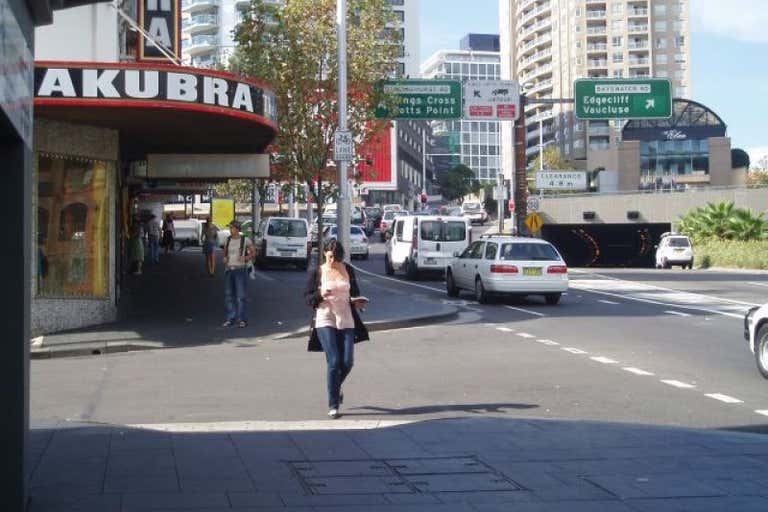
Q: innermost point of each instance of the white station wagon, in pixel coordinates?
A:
(501, 264)
(756, 334)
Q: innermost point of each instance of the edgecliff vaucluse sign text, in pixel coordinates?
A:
(183, 85)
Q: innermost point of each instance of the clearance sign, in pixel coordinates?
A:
(161, 19)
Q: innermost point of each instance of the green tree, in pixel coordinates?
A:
(739, 159)
(552, 160)
(457, 182)
(723, 221)
(293, 47)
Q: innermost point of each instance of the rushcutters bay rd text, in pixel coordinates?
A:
(147, 84)
(615, 105)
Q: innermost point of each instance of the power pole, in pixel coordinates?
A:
(343, 210)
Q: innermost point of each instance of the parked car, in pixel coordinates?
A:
(386, 222)
(454, 211)
(674, 249)
(756, 334)
(425, 242)
(327, 221)
(372, 216)
(282, 239)
(358, 240)
(474, 211)
(189, 232)
(246, 228)
(391, 207)
(503, 264)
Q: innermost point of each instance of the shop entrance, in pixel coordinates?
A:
(606, 245)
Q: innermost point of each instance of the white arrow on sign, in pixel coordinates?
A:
(649, 104)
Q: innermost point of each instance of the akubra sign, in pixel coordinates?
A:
(115, 85)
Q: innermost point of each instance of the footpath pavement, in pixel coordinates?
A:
(449, 465)
(176, 304)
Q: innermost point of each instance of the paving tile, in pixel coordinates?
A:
(655, 486)
(242, 483)
(487, 497)
(573, 489)
(563, 506)
(214, 467)
(255, 499)
(137, 502)
(142, 462)
(266, 446)
(328, 445)
(137, 484)
(411, 499)
(342, 468)
(713, 504)
(348, 485)
(74, 502)
(328, 500)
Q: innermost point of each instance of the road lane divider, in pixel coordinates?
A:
(548, 342)
(574, 350)
(678, 384)
(604, 360)
(724, 398)
(535, 313)
(605, 301)
(676, 313)
(637, 371)
(525, 335)
(505, 329)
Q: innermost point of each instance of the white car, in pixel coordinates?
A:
(282, 239)
(674, 249)
(357, 239)
(756, 334)
(475, 212)
(503, 264)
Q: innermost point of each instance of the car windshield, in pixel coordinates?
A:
(528, 252)
(471, 206)
(440, 231)
(285, 227)
(356, 231)
(389, 215)
(679, 242)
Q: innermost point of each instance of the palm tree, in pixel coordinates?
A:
(725, 222)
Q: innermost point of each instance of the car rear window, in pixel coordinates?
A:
(389, 215)
(679, 242)
(440, 231)
(530, 252)
(285, 227)
(357, 231)
(471, 206)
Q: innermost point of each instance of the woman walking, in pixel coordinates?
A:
(210, 240)
(334, 295)
(169, 233)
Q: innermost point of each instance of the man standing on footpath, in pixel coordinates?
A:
(154, 233)
(238, 253)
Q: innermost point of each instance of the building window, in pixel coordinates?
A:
(617, 26)
(617, 8)
(679, 41)
(660, 9)
(400, 15)
(661, 43)
(662, 73)
(618, 57)
(661, 58)
(396, 2)
(73, 229)
(618, 73)
(617, 41)
(660, 26)
(679, 58)
(662, 162)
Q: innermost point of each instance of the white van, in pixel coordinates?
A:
(282, 239)
(425, 242)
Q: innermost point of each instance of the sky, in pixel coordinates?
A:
(729, 56)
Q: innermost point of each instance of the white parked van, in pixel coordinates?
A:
(282, 239)
(425, 242)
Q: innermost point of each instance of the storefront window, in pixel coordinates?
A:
(72, 227)
(666, 160)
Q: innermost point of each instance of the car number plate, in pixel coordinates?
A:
(286, 253)
(531, 271)
(679, 250)
(430, 261)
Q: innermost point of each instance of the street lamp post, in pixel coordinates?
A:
(343, 210)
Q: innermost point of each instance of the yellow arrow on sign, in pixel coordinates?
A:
(534, 222)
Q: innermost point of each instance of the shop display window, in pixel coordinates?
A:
(72, 226)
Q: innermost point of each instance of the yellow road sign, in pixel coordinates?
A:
(534, 222)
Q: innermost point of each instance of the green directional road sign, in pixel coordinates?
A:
(642, 98)
(424, 99)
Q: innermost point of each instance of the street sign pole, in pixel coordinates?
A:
(343, 209)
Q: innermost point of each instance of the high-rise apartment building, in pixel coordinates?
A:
(473, 143)
(547, 44)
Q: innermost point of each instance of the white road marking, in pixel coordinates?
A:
(535, 313)
(549, 342)
(505, 329)
(608, 302)
(678, 384)
(270, 426)
(636, 371)
(525, 335)
(725, 398)
(678, 313)
(764, 412)
(755, 283)
(604, 360)
(398, 281)
(573, 350)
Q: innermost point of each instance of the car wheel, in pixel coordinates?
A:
(411, 270)
(450, 285)
(665, 264)
(690, 264)
(552, 298)
(177, 246)
(388, 269)
(761, 350)
(481, 295)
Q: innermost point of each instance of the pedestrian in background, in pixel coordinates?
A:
(154, 232)
(334, 295)
(210, 240)
(169, 233)
(136, 246)
(238, 252)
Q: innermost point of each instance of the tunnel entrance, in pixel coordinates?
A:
(606, 245)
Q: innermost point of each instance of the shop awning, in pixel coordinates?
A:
(160, 108)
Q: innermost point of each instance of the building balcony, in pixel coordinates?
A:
(596, 2)
(205, 61)
(637, 12)
(541, 40)
(642, 74)
(536, 72)
(597, 73)
(192, 6)
(639, 62)
(596, 15)
(597, 63)
(538, 10)
(198, 45)
(200, 23)
(641, 45)
(540, 86)
(596, 31)
(634, 29)
(543, 54)
(539, 25)
(597, 48)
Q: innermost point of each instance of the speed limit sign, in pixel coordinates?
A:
(533, 204)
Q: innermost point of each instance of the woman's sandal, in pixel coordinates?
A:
(242, 324)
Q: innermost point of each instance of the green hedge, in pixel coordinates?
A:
(731, 254)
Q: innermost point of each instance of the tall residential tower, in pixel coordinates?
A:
(547, 44)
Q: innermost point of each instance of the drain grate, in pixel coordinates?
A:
(422, 475)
